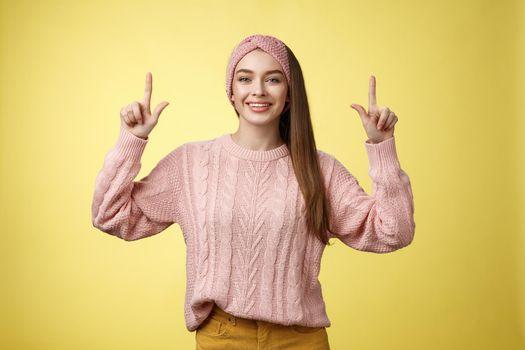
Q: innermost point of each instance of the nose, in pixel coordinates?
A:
(258, 88)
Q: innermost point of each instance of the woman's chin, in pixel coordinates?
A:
(260, 120)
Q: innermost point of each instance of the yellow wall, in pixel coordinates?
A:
(451, 70)
(518, 114)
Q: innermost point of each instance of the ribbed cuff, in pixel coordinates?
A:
(129, 146)
(383, 155)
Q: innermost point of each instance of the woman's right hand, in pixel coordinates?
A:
(137, 118)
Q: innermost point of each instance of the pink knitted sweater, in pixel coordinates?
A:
(239, 210)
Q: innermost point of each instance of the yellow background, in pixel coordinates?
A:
(451, 70)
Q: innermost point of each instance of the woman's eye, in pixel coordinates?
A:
(271, 79)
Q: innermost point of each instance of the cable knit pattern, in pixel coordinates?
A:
(202, 200)
(231, 165)
(242, 216)
(273, 241)
(296, 282)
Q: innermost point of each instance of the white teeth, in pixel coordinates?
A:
(259, 104)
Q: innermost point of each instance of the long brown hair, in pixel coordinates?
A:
(295, 128)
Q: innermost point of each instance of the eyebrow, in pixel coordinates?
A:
(250, 71)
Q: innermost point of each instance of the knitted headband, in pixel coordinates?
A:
(267, 43)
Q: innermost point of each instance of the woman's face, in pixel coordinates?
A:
(258, 77)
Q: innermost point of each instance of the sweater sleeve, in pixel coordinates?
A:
(380, 223)
(130, 209)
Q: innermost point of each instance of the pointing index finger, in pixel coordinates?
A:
(147, 90)
(372, 92)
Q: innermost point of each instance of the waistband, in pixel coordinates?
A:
(219, 314)
(223, 316)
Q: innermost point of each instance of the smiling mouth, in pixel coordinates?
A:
(259, 107)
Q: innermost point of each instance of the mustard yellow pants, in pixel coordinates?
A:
(222, 330)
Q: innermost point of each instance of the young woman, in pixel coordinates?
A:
(257, 207)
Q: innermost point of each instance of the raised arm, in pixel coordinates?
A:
(130, 209)
(136, 209)
(380, 223)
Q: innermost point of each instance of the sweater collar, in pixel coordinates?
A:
(249, 154)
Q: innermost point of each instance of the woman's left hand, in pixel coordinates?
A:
(379, 121)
